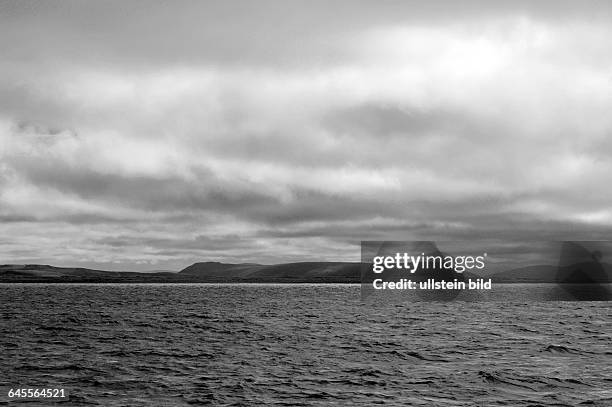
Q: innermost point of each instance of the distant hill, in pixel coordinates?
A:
(324, 272)
(24, 273)
(208, 272)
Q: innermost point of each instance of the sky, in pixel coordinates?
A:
(150, 135)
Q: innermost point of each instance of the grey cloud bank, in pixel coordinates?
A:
(151, 135)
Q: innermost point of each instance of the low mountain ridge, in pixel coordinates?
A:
(327, 272)
(300, 272)
(41, 273)
(206, 272)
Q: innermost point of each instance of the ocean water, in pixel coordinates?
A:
(242, 345)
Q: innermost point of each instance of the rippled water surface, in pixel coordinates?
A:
(116, 345)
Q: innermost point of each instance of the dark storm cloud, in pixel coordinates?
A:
(147, 193)
(195, 244)
(153, 134)
(17, 218)
(408, 122)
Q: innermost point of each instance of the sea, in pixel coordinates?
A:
(298, 345)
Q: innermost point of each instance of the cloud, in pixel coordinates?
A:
(278, 131)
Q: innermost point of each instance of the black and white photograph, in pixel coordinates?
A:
(306, 203)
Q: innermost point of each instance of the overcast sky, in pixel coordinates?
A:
(149, 135)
